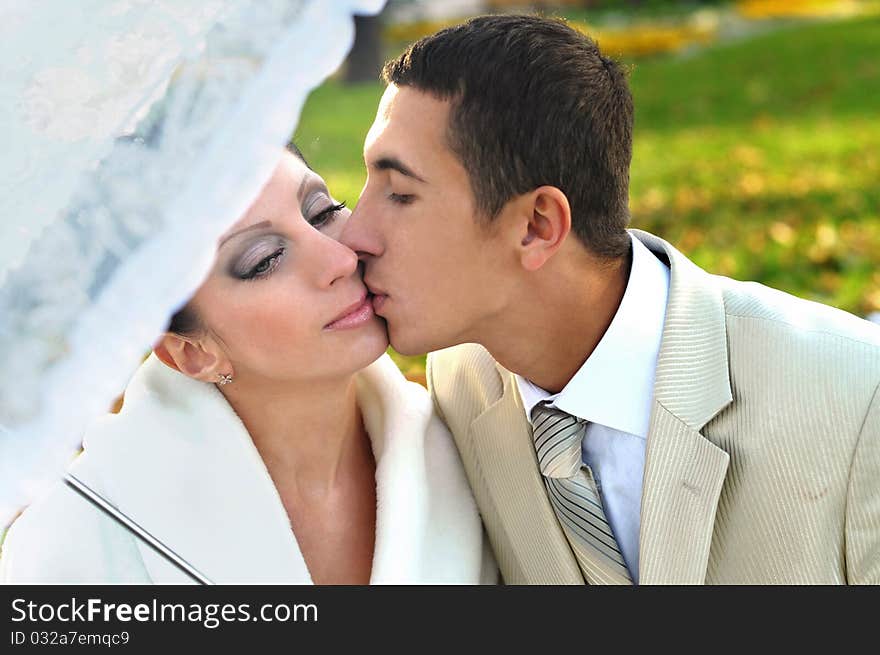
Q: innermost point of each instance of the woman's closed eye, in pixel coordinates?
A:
(260, 260)
(326, 216)
(265, 267)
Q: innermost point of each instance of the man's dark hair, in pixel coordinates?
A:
(534, 103)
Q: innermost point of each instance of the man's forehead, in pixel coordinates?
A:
(385, 102)
(409, 105)
(409, 118)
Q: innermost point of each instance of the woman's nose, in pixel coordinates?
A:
(339, 261)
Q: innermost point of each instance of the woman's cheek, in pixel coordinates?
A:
(282, 323)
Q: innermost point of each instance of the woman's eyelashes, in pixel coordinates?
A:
(265, 267)
(327, 215)
(260, 260)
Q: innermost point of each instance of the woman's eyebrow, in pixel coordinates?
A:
(309, 181)
(255, 226)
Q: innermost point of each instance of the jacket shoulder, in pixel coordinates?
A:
(752, 300)
(841, 343)
(804, 372)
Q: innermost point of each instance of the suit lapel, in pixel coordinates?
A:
(684, 474)
(524, 518)
(684, 471)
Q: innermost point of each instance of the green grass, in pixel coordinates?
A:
(331, 134)
(599, 13)
(759, 159)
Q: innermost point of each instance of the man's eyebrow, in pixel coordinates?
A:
(394, 164)
(255, 226)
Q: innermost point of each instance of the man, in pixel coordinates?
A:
(625, 416)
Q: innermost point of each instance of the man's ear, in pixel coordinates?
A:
(197, 358)
(547, 224)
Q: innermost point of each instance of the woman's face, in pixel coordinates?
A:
(285, 300)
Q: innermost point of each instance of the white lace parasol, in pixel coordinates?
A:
(134, 132)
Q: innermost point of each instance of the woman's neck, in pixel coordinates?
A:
(309, 436)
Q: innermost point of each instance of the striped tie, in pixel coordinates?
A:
(574, 496)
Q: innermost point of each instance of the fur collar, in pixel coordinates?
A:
(179, 461)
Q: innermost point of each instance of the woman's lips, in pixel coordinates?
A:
(354, 316)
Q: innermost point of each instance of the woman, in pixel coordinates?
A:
(267, 438)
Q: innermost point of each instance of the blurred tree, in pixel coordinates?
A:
(365, 59)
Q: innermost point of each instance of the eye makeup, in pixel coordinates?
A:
(318, 207)
(326, 216)
(259, 257)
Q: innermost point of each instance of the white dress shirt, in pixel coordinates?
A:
(614, 390)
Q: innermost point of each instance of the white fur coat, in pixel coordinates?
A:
(179, 462)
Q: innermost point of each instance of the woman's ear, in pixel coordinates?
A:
(199, 358)
(548, 222)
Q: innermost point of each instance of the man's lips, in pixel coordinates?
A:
(379, 296)
(378, 301)
(354, 315)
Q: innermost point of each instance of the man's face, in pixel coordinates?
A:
(436, 270)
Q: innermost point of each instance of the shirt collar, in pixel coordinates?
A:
(615, 386)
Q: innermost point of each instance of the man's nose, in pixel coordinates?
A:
(360, 232)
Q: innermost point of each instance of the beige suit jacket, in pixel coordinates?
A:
(763, 455)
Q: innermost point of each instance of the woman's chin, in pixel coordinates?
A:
(368, 343)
